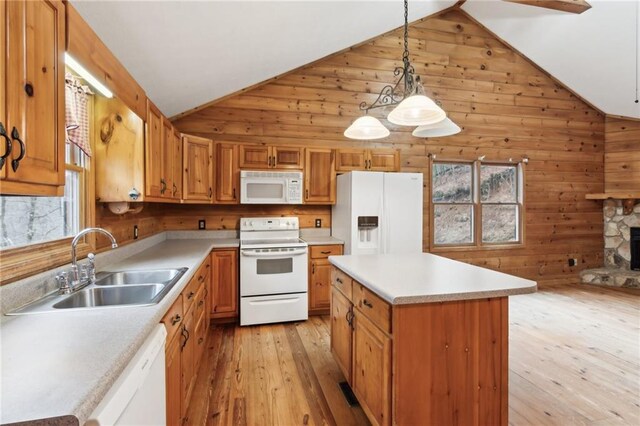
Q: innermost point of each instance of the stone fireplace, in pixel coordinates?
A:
(621, 248)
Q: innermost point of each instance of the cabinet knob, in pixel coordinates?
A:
(176, 319)
(28, 89)
(366, 303)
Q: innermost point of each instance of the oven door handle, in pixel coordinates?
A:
(251, 253)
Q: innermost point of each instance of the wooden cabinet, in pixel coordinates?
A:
(187, 325)
(320, 277)
(341, 332)
(224, 284)
(197, 154)
(372, 369)
(227, 174)
(377, 160)
(155, 184)
(319, 176)
(173, 380)
(166, 191)
(176, 167)
(270, 157)
(33, 111)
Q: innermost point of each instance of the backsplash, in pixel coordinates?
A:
(617, 246)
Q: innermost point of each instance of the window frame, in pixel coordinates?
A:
(478, 244)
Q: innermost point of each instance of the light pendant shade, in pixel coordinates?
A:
(366, 128)
(416, 110)
(443, 128)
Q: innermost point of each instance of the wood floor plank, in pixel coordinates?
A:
(574, 355)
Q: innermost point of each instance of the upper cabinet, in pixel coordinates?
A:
(167, 159)
(155, 184)
(176, 166)
(271, 157)
(227, 174)
(197, 154)
(377, 160)
(319, 176)
(32, 113)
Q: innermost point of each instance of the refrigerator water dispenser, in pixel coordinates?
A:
(368, 231)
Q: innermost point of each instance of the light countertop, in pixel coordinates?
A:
(321, 240)
(423, 277)
(61, 364)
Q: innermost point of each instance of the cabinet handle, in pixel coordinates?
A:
(176, 319)
(338, 280)
(15, 163)
(200, 277)
(210, 192)
(269, 161)
(275, 162)
(306, 194)
(185, 334)
(200, 340)
(313, 268)
(366, 303)
(325, 252)
(190, 295)
(175, 189)
(8, 146)
(234, 193)
(200, 303)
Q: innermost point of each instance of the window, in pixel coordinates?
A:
(31, 220)
(476, 203)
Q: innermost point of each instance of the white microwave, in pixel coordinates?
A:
(258, 187)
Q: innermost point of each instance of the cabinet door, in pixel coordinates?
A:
(187, 359)
(286, 157)
(350, 159)
(320, 284)
(34, 83)
(173, 380)
(341, 336)
(167, 159)
(227, 175)
(154, 152)
(4, 145)
(177, 166)
(224, 283)
(384, 160)
(319, 176)
(197, 156)
(255, 157)
(372, 369)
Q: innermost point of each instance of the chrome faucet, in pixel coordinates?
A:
(79, 281)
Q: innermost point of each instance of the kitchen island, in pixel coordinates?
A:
(423, 339)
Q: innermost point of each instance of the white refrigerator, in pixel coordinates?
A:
(378, 212)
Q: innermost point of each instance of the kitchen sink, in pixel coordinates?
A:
(111, 296)
(111, 289)
(161, 276)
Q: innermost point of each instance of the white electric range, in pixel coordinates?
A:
(273, 271)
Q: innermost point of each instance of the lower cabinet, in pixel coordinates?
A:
(361, 348)
(320, 277)
(187, 323)
(224, 284)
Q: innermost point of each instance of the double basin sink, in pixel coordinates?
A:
(124, 288)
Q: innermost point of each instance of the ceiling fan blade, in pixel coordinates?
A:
(571, 6)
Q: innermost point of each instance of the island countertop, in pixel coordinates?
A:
(402, 279)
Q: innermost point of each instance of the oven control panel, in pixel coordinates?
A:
(269, 224)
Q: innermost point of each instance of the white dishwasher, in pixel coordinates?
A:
(138, 396)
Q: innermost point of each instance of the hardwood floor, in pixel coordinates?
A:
(574, 359)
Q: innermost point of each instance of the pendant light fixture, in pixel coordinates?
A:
(413, 107)
(445, 128)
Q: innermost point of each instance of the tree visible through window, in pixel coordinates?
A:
(476, 203)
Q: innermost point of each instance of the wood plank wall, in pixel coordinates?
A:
(507, 107)
(149, 222)
(622, 155)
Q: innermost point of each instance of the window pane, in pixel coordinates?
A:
(451, 183)
(453, 224)
(499, 223)
(30, 220)
(498, 184)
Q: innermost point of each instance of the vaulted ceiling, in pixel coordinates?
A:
(185, 54)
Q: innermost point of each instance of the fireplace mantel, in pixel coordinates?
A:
(629, 199)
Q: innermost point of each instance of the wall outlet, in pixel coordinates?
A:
(202, 224)
(573, 262)
(135, 232)
(318, 223)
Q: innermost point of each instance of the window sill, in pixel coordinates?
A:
(444, 249)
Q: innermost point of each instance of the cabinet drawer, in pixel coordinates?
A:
(319, 252)
(341, 281)
(198, 280)
(172, 320)
(376, 309)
